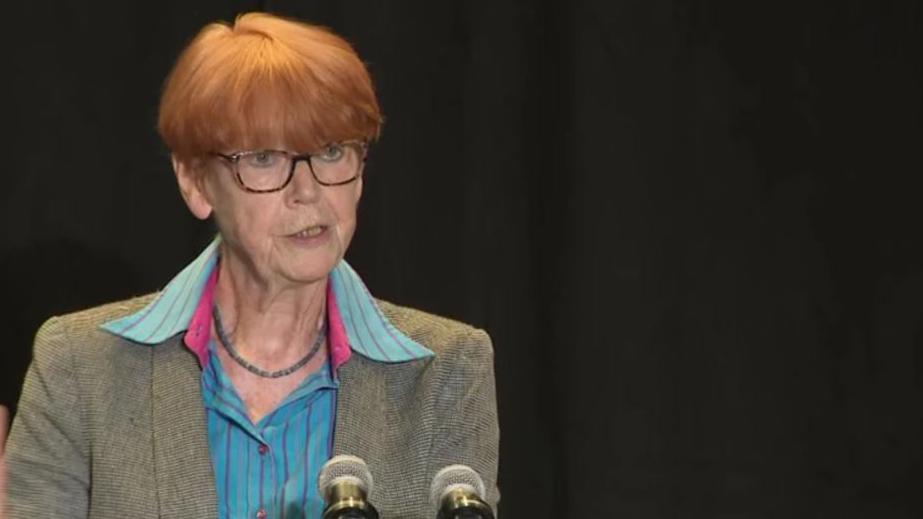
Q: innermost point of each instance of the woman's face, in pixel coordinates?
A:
(292, 236)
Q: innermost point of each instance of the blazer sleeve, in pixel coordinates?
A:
(467, 430)
(46, 453)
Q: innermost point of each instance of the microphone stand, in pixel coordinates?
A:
(345, 503)
(459, 504)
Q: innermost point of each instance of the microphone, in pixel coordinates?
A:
(456, 493)
(345, 482)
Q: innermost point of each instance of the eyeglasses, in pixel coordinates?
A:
(266, 171)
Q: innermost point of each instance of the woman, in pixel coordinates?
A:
(223, 394)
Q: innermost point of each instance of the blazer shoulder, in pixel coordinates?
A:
(81, 330)
(98, 315)
(442, 335)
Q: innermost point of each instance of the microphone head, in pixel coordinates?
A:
(455, 477)
(344, 469)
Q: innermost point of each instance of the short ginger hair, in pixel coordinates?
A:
(264, 82)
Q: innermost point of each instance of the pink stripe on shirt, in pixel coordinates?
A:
(336, 330)
(200, 327)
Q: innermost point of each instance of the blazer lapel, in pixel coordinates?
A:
(182, 459)
(360, 407)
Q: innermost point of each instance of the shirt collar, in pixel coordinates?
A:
(351, 311)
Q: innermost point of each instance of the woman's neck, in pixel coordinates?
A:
(271, 323)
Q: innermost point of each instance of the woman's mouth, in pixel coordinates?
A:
(312, 235)
(310, 232)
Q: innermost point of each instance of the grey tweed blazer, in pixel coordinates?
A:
(111, 429)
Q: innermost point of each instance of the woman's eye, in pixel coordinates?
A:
(332, 153)
(262, 159)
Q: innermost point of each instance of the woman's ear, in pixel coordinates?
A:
(359, 187)
(191, 186)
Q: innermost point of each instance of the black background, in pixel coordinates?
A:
(689, 227)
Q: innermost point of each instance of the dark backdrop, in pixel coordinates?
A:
(689, 227)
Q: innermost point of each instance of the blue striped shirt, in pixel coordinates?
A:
(269, 469)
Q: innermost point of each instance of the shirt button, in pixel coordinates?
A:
(261, 514)
(263, 450)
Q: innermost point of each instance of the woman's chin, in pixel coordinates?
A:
(308, 277)
(311, 266)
